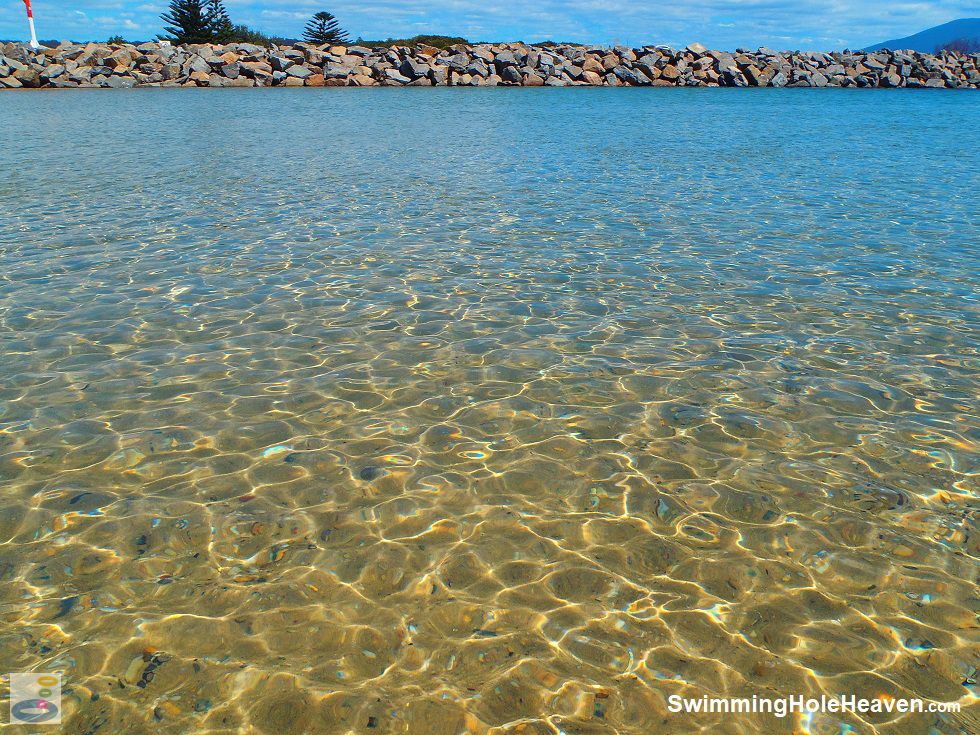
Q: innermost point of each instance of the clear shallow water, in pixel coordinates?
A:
(489, 411)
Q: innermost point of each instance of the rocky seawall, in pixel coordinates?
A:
(507, 64)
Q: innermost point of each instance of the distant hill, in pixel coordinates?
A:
(930, 39)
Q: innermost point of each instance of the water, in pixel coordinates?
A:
(489, 411)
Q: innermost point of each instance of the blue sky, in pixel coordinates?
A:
(806, 24)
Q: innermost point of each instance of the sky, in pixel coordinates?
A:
(723, 24)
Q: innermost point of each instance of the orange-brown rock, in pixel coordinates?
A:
(592, 78)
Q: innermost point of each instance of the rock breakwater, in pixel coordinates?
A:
(507, 64)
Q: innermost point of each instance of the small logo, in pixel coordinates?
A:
(35, 699)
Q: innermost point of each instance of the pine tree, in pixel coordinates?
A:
(197, 21)
(187, 22)
(324, 29)
(222, 30)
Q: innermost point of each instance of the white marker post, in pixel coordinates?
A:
(30, 21)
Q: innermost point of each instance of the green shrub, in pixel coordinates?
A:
(961, 45)
(244, 34)
(439, 42)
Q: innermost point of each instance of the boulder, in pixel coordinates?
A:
(479, 68)
(203, 50)
(255, 69)
(818, 80)
(199, 64)
(92, 55)
(755, 77)
(482, 53)
(732, 77)
(27, 77)
(280, 63)
(591, 77)
(120, 58)
(413, 69)
(503, 60)
(458, 62)
(511, 75)
(628, 76)
(82, 75)
(332, 70)
(52, 71)
(591, 63)
(394, 75)
(440, 75)
(118, 82)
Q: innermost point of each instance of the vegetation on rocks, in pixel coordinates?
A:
(439, 42)
(961, 45)
(244, 34)
(303, 64)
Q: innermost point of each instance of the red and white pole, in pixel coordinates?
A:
(30, 21)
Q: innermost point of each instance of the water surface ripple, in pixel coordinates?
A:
(453, 411)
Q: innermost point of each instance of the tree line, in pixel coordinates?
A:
(960, 45)
(207, 21)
